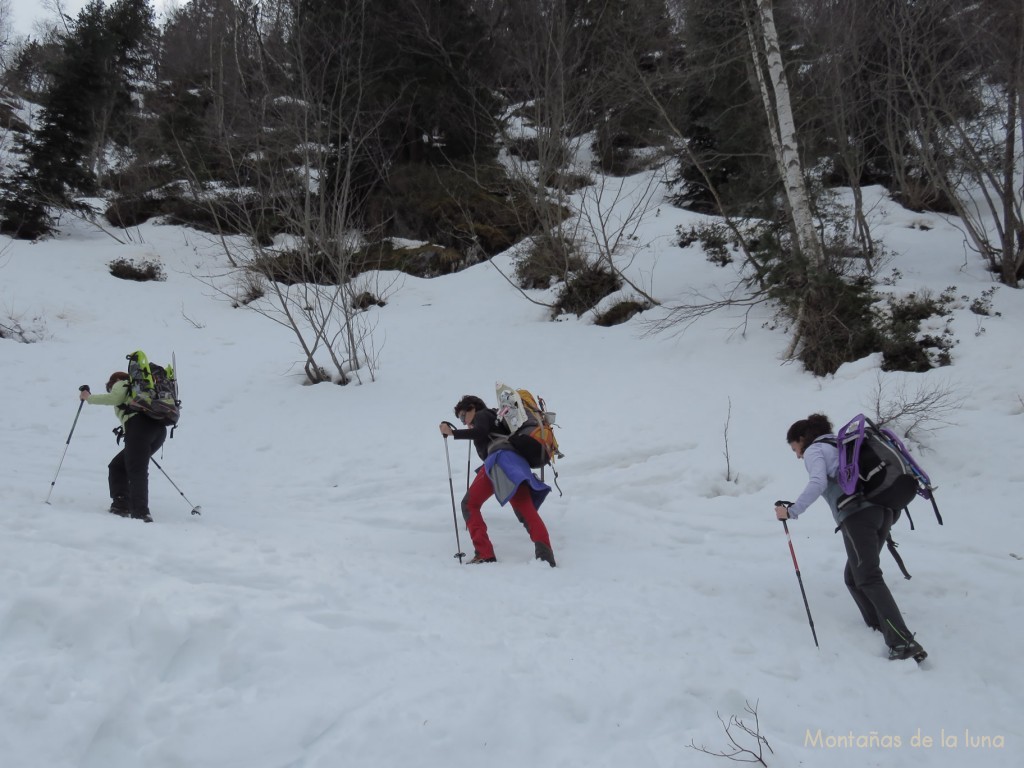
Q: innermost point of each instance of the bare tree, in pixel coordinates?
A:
(551, 97)
(301, 145)
(914, 411)
(842, 37)
(566, 72)
(963, 83)
(738, 732)
(773, 84)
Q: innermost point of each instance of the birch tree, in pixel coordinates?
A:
(771, 77)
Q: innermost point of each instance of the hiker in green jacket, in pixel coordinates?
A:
(128, 471)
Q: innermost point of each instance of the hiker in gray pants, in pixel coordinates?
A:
(865, 528)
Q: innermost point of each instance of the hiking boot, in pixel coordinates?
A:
(119, 506)
(477, 560)
(911, 650)
(543, 552)
(143, 516)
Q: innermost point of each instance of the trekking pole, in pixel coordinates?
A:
(83, 388)
(196, 510)
(451, 487)
(800, 581)
(469, 460)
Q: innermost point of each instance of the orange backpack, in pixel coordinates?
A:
(531, 425)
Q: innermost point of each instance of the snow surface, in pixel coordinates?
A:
(314, 614)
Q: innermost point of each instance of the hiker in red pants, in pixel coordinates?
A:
(505, 474)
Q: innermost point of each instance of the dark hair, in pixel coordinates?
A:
(807, 430)
(469, 401)
(115, 377)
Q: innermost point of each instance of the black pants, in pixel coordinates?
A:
(864, 534)
(128, 472)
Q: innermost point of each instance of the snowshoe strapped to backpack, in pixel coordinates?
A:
(875, 466)
(152, 390)
(530, 425)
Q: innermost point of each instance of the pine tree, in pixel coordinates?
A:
(88, 98)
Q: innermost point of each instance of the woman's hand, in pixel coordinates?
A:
(446, 429)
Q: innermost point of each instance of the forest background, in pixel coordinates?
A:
(428, 135)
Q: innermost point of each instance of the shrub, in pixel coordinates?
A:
(715, 240)
(142, 272)
(452, 207)
(585, 288)
(260, 220)
(426, 260)
(365, 300)
(904, 346)
(301, 266)
(838, 322)
(251, 288)
(569, 182)
(620, 312)
(549, 258)
(29, 331)
(982, 305)
(131, 212)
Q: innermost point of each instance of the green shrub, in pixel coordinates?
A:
(715, 240)
(838, 322)
(904, 347)
(982, 305)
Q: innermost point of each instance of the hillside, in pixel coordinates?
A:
(314, 615)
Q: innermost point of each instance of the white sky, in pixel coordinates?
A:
(25, 13)
(314, 614)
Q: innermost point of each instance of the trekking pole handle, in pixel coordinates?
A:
(450, 426)
(84, 388)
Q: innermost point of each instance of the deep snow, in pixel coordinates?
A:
(314, 614)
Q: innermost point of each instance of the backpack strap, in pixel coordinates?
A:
(931, 498)
(554, 479)
(896, 555)
(909, 518)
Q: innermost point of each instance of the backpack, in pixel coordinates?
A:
(152, 390)
(530, 425)
(875, 466)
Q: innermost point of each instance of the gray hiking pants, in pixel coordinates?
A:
(864, 534)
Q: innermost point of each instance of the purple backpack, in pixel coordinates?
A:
(875, 466)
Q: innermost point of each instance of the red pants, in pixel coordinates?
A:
(522, 504)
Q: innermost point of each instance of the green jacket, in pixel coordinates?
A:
(118, 396)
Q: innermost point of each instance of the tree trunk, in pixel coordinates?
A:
(780, 114)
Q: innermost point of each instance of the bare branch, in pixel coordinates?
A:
(736, 750)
